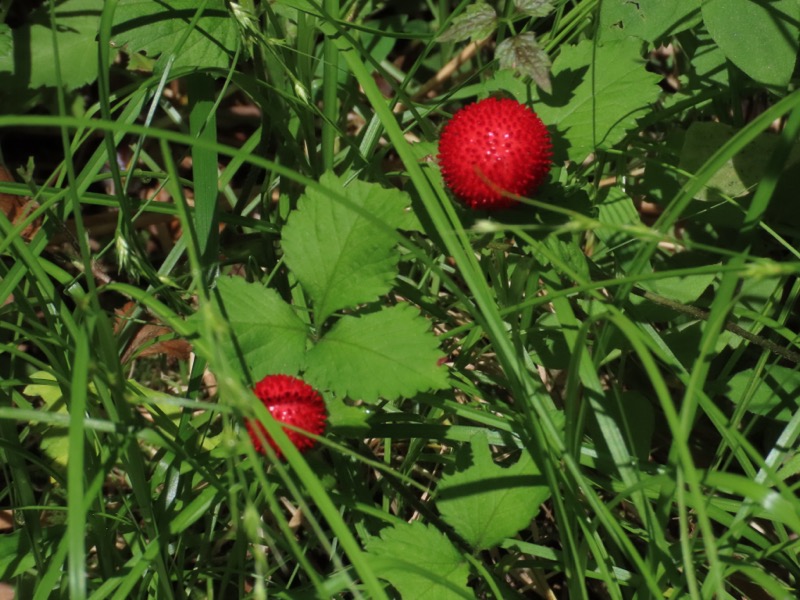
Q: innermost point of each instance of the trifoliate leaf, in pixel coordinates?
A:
(32, 62)
(340, 254)
(420, 562)
(598, 93)
(487, 503)
(523, 54)
(157, 28)
(267, 333)
(534, 8)
(761, 38)
(388, 354)
(477, 22)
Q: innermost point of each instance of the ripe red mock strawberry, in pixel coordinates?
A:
(492, 146)
(291, 401)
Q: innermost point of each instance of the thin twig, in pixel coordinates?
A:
(699, 313)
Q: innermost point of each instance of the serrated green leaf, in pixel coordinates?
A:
(387, 354)
(648, 20)
(32, 62)
(534, 8)
(477, 22)
(420, 562)
(487, 503)
(598, 93)
(773, 392)
(523, 54)
(761, 38)
(270, 336)
(156, 27)
(339, 255)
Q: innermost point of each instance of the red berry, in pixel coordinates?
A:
(290, 401)
(493, 146)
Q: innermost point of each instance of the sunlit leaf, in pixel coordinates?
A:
(420, 562)
(388, 354)
(487, 503)
(337, 251)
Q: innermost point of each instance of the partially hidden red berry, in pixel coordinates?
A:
(292, 401)
(494, 146)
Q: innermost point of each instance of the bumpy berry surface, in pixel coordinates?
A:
(291, 401)
(493, 146)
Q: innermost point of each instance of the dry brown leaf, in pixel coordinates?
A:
(177, 349)
(17, 208)
(6, 519)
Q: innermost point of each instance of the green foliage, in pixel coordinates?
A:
(420, 562)
(523, 54)
(742, 173)
(599, 91)
(267, 333)
(155, 28)
(771, 391)
(55, 441)
(761, 38)
(341, 253)
(520, 53)
(486, 503)
(32, 62)
(607, 407)
(649, 20)
(387, 354)
(343, 257)
(477, 22)
(534, 8)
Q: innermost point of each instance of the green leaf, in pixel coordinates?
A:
(681, 288)
(420, 562)
(387, 354)
(534, 8)
(55, 440)
(477, 22)
(339, 255)
(487, 503)
(33, 63)
(348, 421)
(761, 38)
(270, 336)
(157, 27)
(618, 212)
(598, 93)
(648, 20)
(523, 54)
(740, 175)
(708, 68)
(773, 392)
(6, 46)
